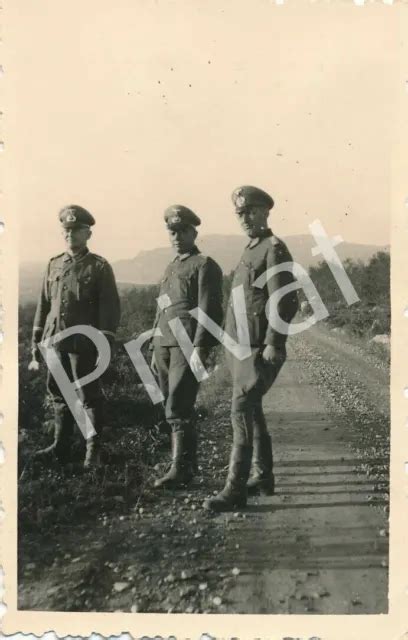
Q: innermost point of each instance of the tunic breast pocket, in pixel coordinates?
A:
(86, 289)
(179, 289)
(53, 284)
(244, 274)
(249, 274)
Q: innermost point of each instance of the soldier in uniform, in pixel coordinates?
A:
(191, 280)
(253, 376)
(78, 289)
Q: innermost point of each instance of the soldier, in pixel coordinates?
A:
(78, 289)
(191, 280)
(253, 376)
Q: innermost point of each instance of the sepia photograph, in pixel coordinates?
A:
(203, 282)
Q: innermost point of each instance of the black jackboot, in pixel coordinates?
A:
(180, 472)
(234, 494)
(262, 479)
(191, 442)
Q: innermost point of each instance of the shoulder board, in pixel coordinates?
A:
(198, 257)
(97, 258)
(205, 259)
(281, 249)
(278, 244)
(60, 255)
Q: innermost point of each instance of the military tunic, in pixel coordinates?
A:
(191, 280)
(252, 377)
(76, 290)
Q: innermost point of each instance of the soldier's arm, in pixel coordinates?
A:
(109, 302)
(288, 305)
(41, 312)
(209, 300)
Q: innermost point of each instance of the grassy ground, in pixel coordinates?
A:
(59, 507)
(51, 495)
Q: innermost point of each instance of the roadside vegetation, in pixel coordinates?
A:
(370, 316)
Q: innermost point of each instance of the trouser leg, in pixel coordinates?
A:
(76, 366)
(92, 400)
(63, 418)
(180, 406)
(262, 479)
(180, 385)
(162, 357)
(251, 379)
(234, 493)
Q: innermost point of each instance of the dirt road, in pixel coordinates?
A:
(320, 545)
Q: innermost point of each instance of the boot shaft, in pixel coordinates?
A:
(239, 466)
(262, 459)
(234, 494)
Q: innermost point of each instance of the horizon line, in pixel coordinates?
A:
(236, 235)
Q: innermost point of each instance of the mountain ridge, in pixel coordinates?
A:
(148, 265)
(226, 251)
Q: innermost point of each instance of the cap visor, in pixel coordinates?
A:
(178, 226)
(74, 225)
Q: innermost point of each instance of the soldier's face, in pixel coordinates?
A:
(182, 240)
(76, 238)
(253, 221)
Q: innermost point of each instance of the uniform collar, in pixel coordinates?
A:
(184, 256)
(68, 258)
(255, 241)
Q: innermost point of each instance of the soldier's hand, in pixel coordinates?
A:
(34, 365)
(273, 355)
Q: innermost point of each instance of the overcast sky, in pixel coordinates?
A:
(128, 107)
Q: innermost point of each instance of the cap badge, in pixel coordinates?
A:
(71, 217)
(175, 219)
(240, 201)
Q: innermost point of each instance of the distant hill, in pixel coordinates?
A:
(147, 266)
